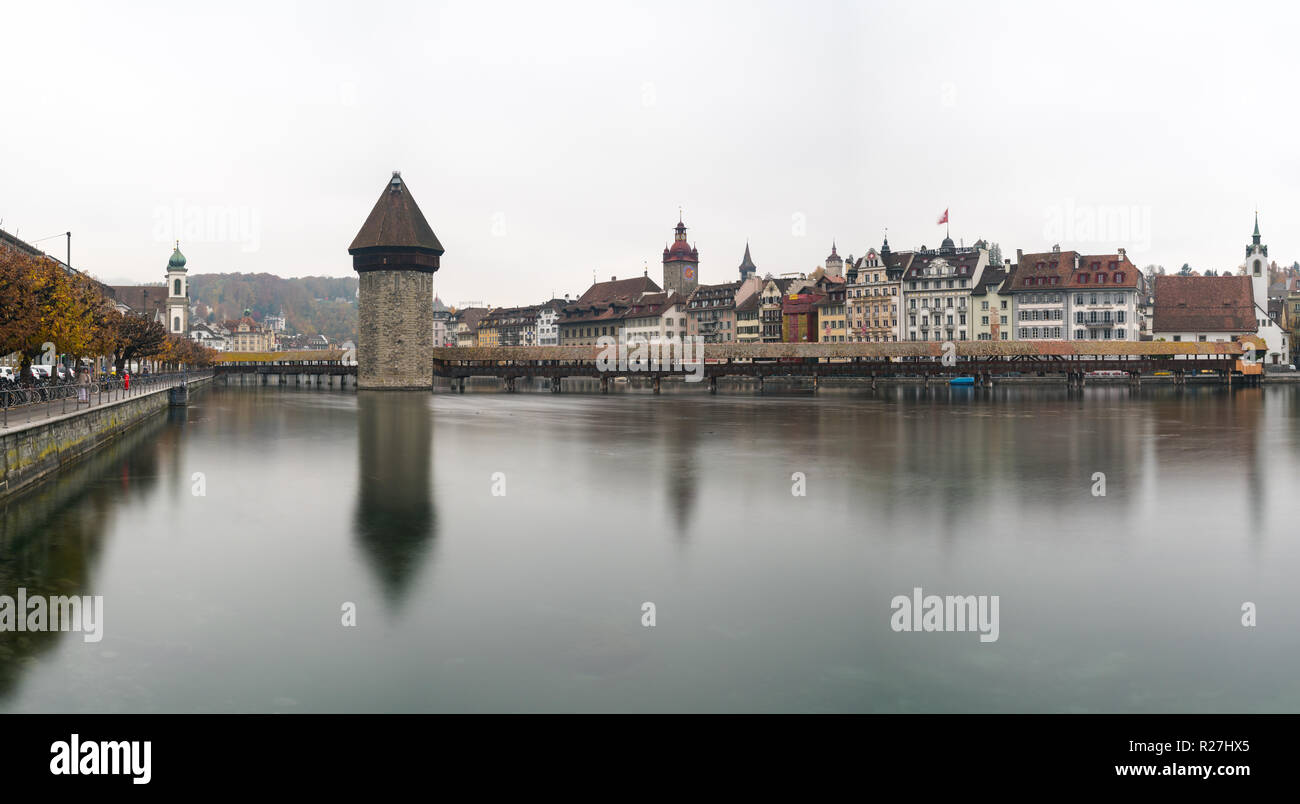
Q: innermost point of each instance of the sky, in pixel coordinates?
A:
(548, 143)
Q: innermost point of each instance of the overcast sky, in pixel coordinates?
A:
(547, 142)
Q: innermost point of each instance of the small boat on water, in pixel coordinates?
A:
(962, 381)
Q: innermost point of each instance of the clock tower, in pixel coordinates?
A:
(681, 263)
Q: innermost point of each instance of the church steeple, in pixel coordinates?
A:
(1255, 246)
(747, 266)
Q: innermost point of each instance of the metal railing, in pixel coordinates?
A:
(68, 397)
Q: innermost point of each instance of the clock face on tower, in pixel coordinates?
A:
(688, 272)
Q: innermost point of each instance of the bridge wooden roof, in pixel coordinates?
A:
(300, 356)
(977, 349)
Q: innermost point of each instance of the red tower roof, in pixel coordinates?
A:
(680, 250)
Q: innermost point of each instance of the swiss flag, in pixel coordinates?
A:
(944, 217)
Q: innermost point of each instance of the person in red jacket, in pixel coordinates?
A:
(126, 380)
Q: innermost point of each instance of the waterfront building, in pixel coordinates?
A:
(441, 317)
(873, 294)
(486, 334)
(466, 324)
(1104, 298)
(248, 335)
(711, 312)
(209, 335)
(1192, 309)
(799, 316)
(711, 309)
(1068, 296)
(749, 326)
(990, 307)
(600, 310)
(937, 287)
(832, 319)
(772, 296)
(548, 327)
(655, 317)
(1268, 327)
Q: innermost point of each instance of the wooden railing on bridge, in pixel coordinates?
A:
(983, 360)
(925, 359)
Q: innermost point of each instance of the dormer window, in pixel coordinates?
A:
(1101, 279)
(1083, 279)
(1119, 278)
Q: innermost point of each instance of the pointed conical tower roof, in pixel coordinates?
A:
(396, 236)
(747, 266)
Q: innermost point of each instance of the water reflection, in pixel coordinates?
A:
(780, 603)
(51, 535)
(395, 518)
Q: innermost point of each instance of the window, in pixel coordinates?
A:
(1177, 338)
(1083, 279)
(1004, 335)
(1119, 334)
(1004, 319)
(1078, 334)
(1200, 338)
(984, 319)
(1119, 278)
(1004, 304)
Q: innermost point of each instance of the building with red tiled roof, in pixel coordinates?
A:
(600, 311)
(1203, 308)
(1069, 296)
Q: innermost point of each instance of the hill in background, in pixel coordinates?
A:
(312, 305)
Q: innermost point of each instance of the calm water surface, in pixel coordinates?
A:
(466, 601)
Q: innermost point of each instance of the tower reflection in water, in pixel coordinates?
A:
(395, 520)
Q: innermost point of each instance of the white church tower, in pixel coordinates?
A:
(178, 294)
(1256, 267)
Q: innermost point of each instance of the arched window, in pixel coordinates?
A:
(176, 324)
(177, 291)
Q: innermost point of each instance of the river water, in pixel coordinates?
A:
(498, 550)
